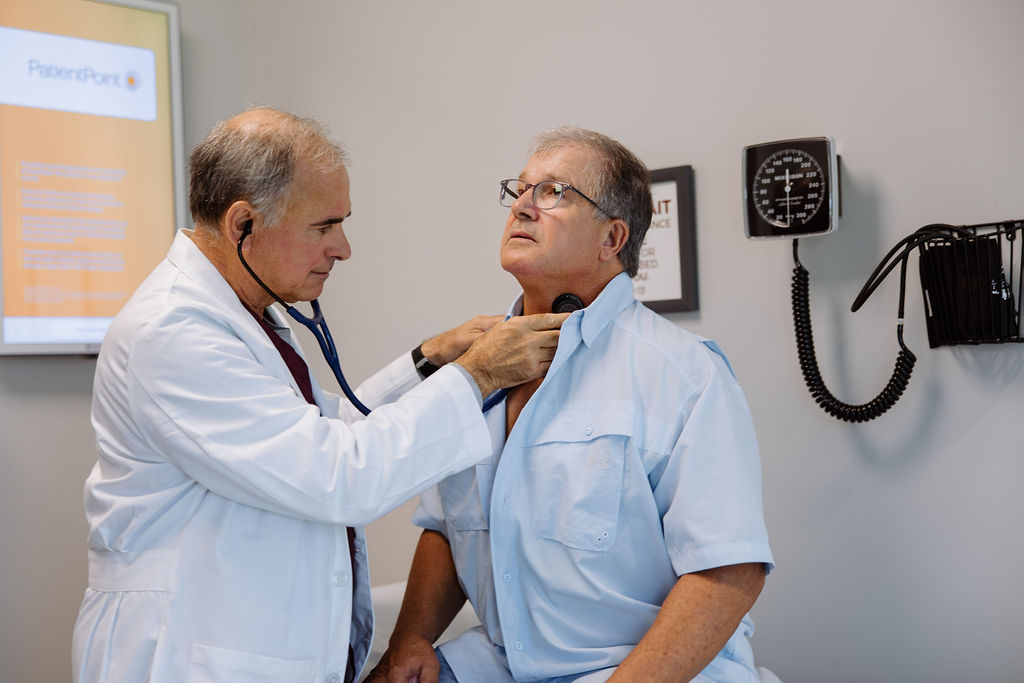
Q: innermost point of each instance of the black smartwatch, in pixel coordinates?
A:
(422, 363)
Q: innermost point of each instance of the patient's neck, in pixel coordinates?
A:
(539, 299)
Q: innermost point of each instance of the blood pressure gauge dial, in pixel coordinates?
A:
(790, 188)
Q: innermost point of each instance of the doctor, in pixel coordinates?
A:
(226, 501)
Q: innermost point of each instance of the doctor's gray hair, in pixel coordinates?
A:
(254, 159)
(620, 183)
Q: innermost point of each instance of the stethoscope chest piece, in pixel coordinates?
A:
(566, 303)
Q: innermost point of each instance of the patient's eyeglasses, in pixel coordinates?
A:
(546, 194)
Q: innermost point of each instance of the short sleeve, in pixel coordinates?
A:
(710, 491)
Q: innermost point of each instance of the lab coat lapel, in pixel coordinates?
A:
(193, 264)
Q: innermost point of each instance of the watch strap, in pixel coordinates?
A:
(423, 365)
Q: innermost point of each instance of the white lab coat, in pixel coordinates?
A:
(219, 500)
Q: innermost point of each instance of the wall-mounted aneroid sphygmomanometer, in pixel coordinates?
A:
(791, 189)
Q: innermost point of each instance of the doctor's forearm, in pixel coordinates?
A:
(698, 617)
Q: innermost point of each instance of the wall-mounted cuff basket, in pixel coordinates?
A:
(972, 277)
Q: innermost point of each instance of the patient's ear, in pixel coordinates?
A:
(614, 239)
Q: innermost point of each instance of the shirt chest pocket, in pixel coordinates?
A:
(576, 470)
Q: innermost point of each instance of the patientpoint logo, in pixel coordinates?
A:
(85, 75)
(63, 73)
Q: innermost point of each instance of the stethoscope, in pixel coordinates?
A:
(564, 303)
(317, 325)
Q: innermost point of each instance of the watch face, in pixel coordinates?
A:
(788, 188)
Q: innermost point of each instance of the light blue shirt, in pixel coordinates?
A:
(633, 463)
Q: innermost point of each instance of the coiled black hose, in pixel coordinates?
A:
(809, 363)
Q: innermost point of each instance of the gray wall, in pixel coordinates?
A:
(896, 540)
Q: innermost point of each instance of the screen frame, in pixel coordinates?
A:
(180, 206)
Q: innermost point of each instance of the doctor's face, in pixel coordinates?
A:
(295, 256)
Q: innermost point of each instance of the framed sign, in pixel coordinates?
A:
(667, 278)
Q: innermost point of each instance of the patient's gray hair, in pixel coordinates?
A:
(620, 183)
(253, 157)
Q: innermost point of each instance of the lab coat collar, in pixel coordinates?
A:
(192, 262)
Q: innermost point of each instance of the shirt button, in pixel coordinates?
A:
(333, 678)
(507, 578)
(588, 431)
(519, 646)
(339, 578)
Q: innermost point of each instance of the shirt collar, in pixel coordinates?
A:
(592, 320)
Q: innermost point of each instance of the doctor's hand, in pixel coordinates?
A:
(514, 351)
(407, 661)
(449, 345)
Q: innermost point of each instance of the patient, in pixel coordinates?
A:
(617, 531)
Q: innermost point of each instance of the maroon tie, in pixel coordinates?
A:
(297, 366)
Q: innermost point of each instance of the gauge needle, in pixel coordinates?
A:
(788, 188)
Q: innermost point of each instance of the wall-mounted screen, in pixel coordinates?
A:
(91, 164)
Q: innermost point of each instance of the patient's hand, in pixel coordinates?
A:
(407, 659)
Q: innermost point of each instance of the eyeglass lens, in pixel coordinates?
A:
(546, 194)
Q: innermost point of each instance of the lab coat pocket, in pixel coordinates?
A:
(465, 507)
(577, 475)
(215, 665)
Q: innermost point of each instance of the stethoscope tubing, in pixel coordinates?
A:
(317, 325)
(494, 399)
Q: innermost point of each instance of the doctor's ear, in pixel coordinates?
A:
(238, 220)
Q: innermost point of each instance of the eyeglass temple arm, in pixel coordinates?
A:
(596, 205)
